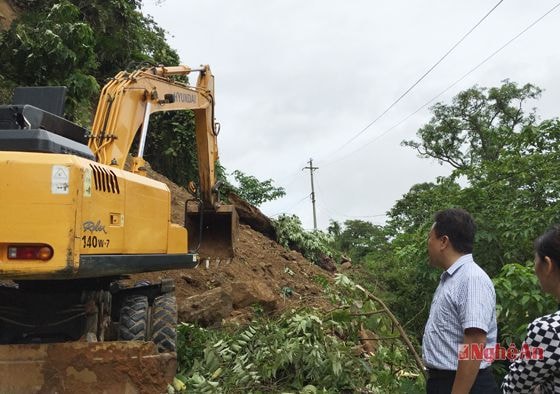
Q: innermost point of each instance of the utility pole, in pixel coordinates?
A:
(311, 169)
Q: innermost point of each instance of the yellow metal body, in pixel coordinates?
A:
(127, 101)
(79, 207)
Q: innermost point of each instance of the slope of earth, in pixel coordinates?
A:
(7, 14)
(262, 276)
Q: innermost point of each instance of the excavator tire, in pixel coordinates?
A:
(164, 322)
(133, 320)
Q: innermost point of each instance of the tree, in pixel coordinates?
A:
(477, 126)
(357, 238)
(171, 146)
(416, 208)
(254, 191)
(54, 47)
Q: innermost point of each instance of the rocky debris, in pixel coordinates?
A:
(369, 340)
(345, 262)
(290, 255)
(211, 307)
(207, 308)
(246, 293)
(327, 263)
(257, 275)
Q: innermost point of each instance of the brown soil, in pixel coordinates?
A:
(7, 14)
(258, 259)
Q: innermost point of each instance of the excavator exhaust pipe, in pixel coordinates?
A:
(212, 233)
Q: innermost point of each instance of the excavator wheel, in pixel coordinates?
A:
(164, 323)
(133, 320)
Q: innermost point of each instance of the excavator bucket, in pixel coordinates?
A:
(212, 233)
(80, 367)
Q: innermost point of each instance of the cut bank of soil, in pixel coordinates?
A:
(261, 272)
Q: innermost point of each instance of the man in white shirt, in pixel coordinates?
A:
(463, 310)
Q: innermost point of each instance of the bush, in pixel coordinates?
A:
(311, 244)
(307, 351)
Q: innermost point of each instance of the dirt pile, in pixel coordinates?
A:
(261, 277)
(7, 14)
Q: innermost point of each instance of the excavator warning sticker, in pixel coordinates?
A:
(60, 180)
(87, 182)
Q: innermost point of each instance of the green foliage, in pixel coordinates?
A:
(305, 351)
(248, 187)
(519, 301)
(404, 279)
(254, 191)
(357, 239)
(171, 146)
(417, 207)
(312, 244)
(78, 44)
(53, 48)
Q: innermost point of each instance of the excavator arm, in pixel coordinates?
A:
(124, 109)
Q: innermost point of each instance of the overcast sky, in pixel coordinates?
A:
(299, 79)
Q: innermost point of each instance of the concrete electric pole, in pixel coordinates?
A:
(311, 169)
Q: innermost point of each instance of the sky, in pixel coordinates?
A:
(302, 79)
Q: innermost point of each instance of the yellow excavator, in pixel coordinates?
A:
(74, 222)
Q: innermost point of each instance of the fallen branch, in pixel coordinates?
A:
(403, 335)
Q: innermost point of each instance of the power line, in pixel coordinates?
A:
(294, 176)
(333, 212)
(357, 217)
(423, 76)
(446, 89)
(292, 207)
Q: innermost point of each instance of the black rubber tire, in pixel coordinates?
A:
(133, 319)
(164, 323)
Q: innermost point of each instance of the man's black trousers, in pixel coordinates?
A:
(441, 382)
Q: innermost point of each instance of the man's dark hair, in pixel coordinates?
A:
(548, 244)
(459, 227)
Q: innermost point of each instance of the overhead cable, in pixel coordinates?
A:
(423, 76)
(446, 89)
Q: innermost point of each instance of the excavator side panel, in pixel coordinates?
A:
(86, 213)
